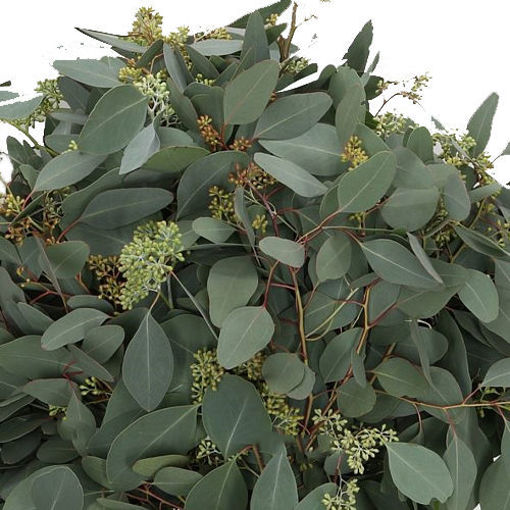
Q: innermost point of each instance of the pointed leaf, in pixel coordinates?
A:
(248, 94)
(276, 487)
(296, 178)
(147, 368)
(115, 120)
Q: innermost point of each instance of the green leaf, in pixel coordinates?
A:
(361, 188)
(293, 176)
(115, 120)
(80, 424)
(410, 209)
(66, 169)
(480, 296)
(231, 283)
(71, 328)
(175, 66)
(354, 400)
(7, 95)
(462, 466)
(419, 473)
(150, 466)
(24, 356)
(234, 415)
(276, 487)
(19, 109)
(118, 207)
(318, 150)
(89, 365)
(221, 488)
(481, 244)
(254, 46)
(283, 372)
(171, 160)
(244, 332)
(139, 149)
(101, 343)
(399, 378)
(494, 487)
(176, 481)
(102, 73)
(56, 392)
(148, 364)
(219, 47)
(480, 123)
(8, 252)
(349, 113)
(57, 489)
(247, 95)
(313, 501)
(395, 264)
(334, 257)
(421, 143)
(212, 229)
(456, 198)
(209, 171)
(357, 54)
(498, 374)
(335, 360)
(67, 259)
(421, 255)
(171, 430)
(292, 116)
(285, 251)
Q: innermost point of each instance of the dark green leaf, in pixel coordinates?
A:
(67, 259)
(57, 489)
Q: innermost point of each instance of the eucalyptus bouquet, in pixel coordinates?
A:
(225, 286)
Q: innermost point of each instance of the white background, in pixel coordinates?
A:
(463, 44)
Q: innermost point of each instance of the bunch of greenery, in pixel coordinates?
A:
(223, 287)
